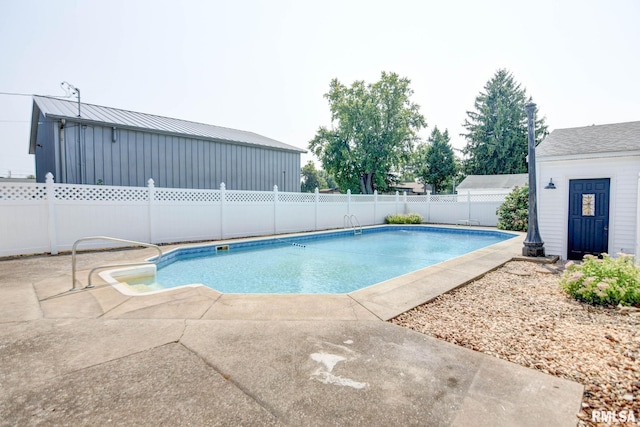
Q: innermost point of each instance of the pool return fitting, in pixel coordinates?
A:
(112, 239)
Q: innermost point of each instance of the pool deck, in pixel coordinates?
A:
(194, 356)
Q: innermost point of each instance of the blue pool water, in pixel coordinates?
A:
(319, 264)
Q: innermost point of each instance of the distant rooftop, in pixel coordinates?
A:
(611, 138)
(54, 108)
(412, 187)
(494, 181)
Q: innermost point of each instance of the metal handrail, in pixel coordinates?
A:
(349, 219)
(113, 239)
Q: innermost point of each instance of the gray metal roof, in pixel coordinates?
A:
(494, 181)
(55, 108)
(611, 138)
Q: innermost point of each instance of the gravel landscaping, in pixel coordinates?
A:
(519, 313)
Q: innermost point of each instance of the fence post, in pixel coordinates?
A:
(469, 207)
(428, 206)
(405, 202)
(317, 203)
(152, 190)
(223, 190)
(397, 201)
(637, 254)
(51, 208)
(375, 206)
(349, 201)
(275, 209)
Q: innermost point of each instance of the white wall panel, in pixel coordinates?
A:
(553, 204)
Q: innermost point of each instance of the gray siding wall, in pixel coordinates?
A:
(172, 161)
(45, 148)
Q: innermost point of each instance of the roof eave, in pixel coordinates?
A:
(35, 118)
(585, 156)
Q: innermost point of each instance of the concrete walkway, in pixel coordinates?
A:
(197, 357)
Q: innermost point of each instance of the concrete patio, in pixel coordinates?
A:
(194, 356)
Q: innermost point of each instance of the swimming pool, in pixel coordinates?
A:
(314, 263)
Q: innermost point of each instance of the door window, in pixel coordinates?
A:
(588, 205)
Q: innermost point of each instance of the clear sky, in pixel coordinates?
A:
(263, 66)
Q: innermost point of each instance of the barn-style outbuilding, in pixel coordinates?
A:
(92, 144)
(588, 190)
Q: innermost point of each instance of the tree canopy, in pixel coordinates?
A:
(374, 127)
(497, 128)
(435, 162)
(311, 178)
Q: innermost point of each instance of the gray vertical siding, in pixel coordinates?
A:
(47, 148)
(172, 161)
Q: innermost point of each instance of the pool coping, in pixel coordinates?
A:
(382, 301)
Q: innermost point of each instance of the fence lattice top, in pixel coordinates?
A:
(105, 193)
(22, 192)
(100, 193)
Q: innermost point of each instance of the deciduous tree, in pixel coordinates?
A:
(311, 178)
(374, 127)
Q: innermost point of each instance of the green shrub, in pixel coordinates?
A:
(606, 281)
(403, 219)
(513, 214)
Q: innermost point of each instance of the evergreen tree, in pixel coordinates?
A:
(497, 128)
(435, 161)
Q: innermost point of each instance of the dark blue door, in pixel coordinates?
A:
(588, 217)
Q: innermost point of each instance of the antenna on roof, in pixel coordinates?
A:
(71, 90)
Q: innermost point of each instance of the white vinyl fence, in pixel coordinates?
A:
(50, 217)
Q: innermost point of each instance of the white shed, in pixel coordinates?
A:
(588, 190)
(492, 184)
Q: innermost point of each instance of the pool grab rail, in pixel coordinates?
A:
(352, 220)
(113, 239)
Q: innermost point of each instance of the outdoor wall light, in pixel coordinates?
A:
(550, 185)
(114, 134)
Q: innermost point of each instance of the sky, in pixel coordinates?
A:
(264, 66)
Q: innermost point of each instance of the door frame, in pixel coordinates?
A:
(610, 211)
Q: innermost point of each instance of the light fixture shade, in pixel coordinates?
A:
(550, 185)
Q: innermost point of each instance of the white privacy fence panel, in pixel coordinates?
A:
(50, 217)
(74, 221)
(177, 222)
(247, 213)
(23, 218)
(330, 215)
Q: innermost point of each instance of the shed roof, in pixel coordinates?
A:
(55, 108)
(611, 138)
(494, 181)
(414, 187)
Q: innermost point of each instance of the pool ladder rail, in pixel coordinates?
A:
(112, 239)
(352, 221)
